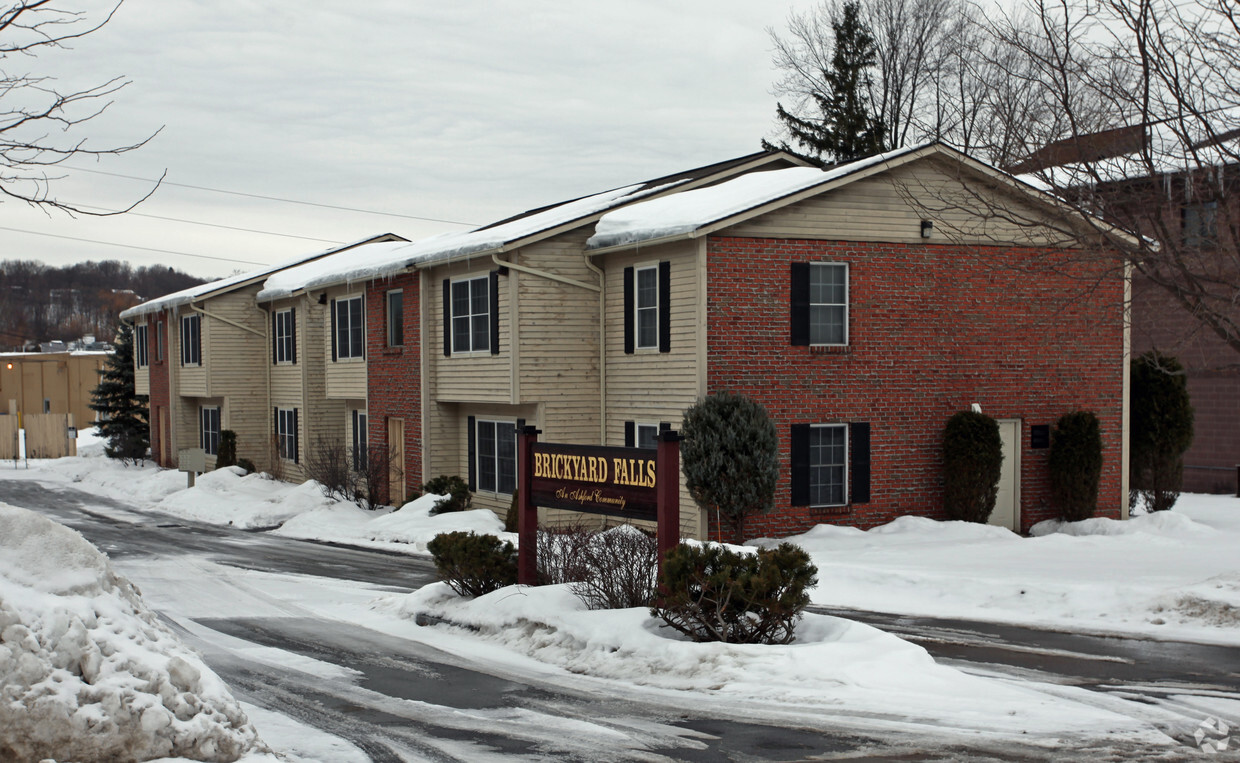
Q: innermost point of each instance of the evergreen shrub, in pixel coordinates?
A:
(227, 455)
(512, 518)
(247, 464)
(473, 564)
(122, 413)
(710, 593)
(1075, 464)
(457, 492)
(1161, 430)
(972, 459)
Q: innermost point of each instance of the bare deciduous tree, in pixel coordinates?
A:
(39, 121)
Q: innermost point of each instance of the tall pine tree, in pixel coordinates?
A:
(845, 129)
(123, 417)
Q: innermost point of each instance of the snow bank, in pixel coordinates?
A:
(410, 526)
(835, 665)
(87, 672)
(230, 496)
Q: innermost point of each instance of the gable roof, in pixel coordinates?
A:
(700, 212)
(507, 234)
(232, 283)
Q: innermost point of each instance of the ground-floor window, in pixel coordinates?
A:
(828, 457)
(495, 456)
(286, 433)
(209, 429)
(830, 464)
(639, 434)
(359, 440)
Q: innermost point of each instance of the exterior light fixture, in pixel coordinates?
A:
(977, 408)
(927, 227)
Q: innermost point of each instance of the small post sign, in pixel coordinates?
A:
(631, 483)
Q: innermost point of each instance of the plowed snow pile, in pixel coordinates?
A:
(87, 672)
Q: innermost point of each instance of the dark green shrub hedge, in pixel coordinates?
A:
(1075, 464)
(972, 458)
(472, 564)
(1161, 430)
(710, 593)
(246, 464)
(227, 455)
(513, 517)
(456, 490)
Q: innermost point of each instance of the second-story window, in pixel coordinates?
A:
(819, 304)
(471, 315)
(139, 345)
(159, 341)
(348, 331)
(284, 336)
(647, 308)
(191, 340)
(396, 318)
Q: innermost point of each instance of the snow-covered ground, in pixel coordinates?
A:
(1172, 575)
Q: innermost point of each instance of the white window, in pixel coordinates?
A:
(285, 338)
(471, 315)
(286, 433)
(646, 312)
(209, 429)
(648, 436)
(139, 345)
(395, 318)
(828, 456)
(359, 441)
(350, 336)
(828, 303)
(191, 340)
(497, 456)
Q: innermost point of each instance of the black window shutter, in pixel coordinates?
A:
(473, 455)
(630, 434)
(799, 299)
(357, 322)
(292, 331)
(275, 336)
(520, 426)
(628, 311)
(198, 339)
(799, 441)
(275, 428)
(332, 308)
(296, 434)
(859, 468)
(665, 306)
(665, 426)
(493, 296)
(447, 317)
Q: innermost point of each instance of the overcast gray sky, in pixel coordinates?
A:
(453, 111)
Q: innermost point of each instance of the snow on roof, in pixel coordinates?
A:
(377, 261)
(187, 295)
(685, 212)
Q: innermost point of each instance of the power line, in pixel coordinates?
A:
(216, 225)
(130, 246)
(271, 198)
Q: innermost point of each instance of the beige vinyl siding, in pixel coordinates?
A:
(468, 377)
(322, 417)
(191, 380)
(345, 377)
(890, 207)
(236, 364)
(142, 380)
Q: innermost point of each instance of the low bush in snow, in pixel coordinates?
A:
(456, 490)
(473, 564)
(972, 458)
(607, 569)
(710, 593)
(1075, 465)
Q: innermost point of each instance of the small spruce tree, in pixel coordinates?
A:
(123, 417)
(845, 130)
(972, 460)
(1075, 464)
(1160, 430)
(730, 456)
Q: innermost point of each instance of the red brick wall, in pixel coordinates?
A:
(160, 389)
(932, 329)
(393, 383)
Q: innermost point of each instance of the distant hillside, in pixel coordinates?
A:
(40, 303)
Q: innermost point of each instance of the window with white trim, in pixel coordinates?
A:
(828, 303)
(209, 429)
(191, 340)
(396, 318)
(471, 315)
(828, 459)
(286, 433)
(349, 323)
(497, 456)
(285, 344)
(646, 308)
(139, 345)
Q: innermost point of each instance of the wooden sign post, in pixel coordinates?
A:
(632, 483)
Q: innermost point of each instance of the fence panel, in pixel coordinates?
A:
(8, 438)
(47, 435)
